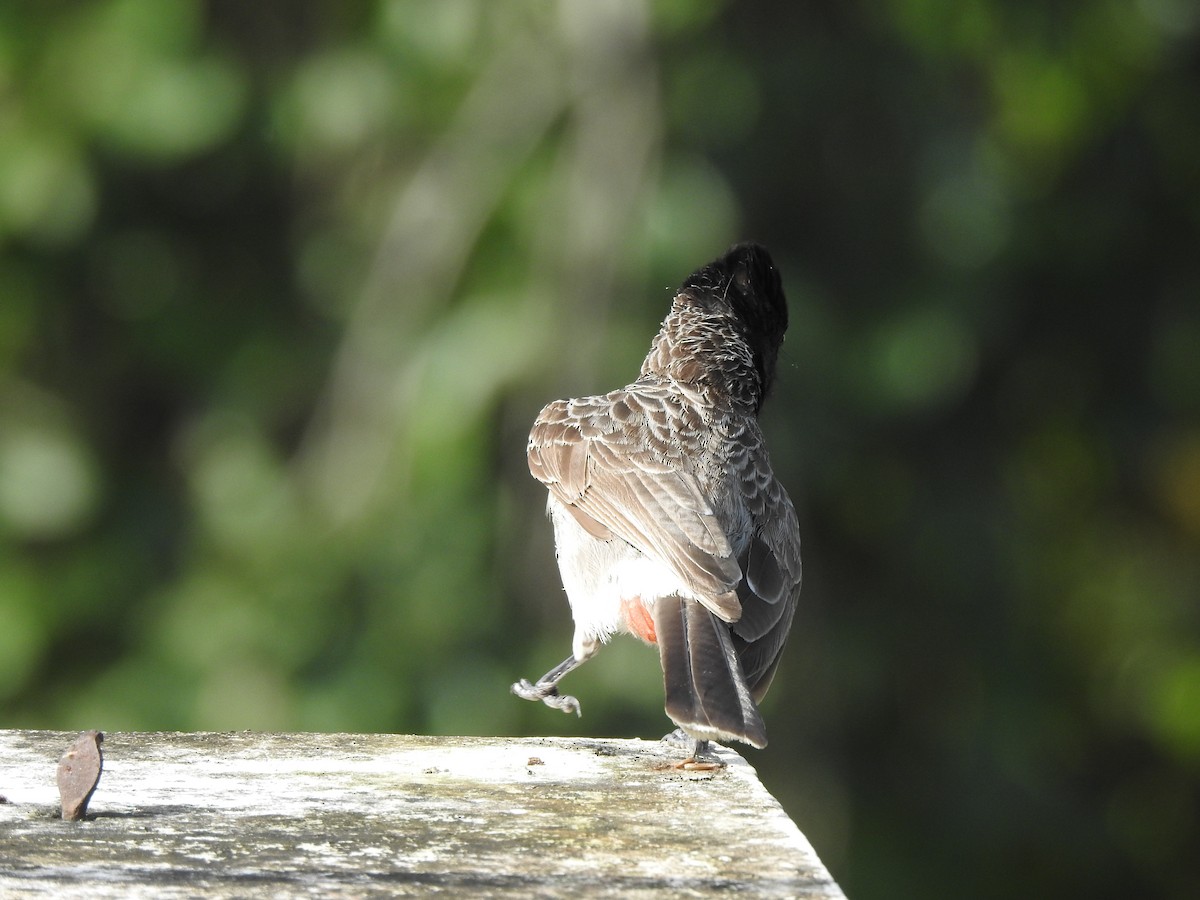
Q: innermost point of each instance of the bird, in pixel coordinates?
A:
(669, 522)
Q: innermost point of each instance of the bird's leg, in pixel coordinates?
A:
(546, 688)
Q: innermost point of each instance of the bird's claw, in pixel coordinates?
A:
(699, 764)
(548, 694)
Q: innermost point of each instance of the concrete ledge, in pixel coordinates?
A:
(252, 814)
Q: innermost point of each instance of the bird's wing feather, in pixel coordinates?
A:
(771, 561)
(615, 463)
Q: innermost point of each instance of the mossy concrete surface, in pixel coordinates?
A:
(251, 814)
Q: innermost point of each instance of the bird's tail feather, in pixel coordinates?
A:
(706, 692)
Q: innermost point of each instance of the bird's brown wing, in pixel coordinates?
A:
(771, 562)
(616, 463)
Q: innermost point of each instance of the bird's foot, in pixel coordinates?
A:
(699, 764)
(702, 759)
(548, 693)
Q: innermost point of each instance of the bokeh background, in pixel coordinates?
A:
(283, 285)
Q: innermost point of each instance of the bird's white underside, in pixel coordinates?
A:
(598, 575)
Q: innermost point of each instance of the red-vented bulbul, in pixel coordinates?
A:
(668, 521)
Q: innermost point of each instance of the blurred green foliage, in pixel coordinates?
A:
(283, 285)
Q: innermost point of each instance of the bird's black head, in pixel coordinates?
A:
(745, 282)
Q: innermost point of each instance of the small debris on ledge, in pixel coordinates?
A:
(79, 773)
